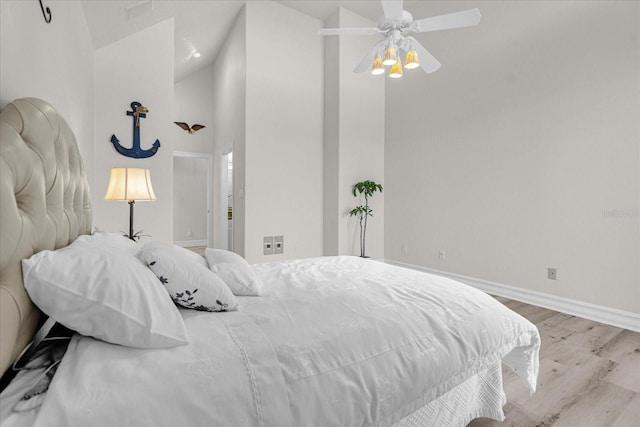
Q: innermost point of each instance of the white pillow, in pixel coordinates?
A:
(187, 279)
(235, 271)
(97, 287)
(115, 241)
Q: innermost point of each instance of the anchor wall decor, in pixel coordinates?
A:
(137, 112)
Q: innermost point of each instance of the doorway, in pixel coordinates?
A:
(192, 176)
(226, 192)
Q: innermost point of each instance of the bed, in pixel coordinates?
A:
(328, 341)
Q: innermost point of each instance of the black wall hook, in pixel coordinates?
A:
(46, 13)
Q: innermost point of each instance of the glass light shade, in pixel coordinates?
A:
(377, 67)
(412, 60)
(396, 71)
(390, 56)
(130, 184)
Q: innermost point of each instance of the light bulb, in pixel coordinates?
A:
(412, 60)
(390, 57)
(396, 70)
(377, 67)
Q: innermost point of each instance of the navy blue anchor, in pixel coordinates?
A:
(137, 112)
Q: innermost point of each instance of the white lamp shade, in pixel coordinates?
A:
(129, 184)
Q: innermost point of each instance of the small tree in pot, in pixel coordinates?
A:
(366, 188)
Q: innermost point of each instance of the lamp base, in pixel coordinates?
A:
(138, 234)
(131, 235)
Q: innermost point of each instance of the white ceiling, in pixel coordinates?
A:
(202, 25)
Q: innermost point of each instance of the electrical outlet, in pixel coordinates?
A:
(442, 254)
(552, 274)
(278, 244)
(405, 249)
(268, 245)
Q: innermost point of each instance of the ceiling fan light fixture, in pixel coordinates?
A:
(377, 67)
(395, 25)
(396, 70)
(390, 56)
(412, 60)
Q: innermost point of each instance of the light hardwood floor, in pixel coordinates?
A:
(198, 249)
(589, 375)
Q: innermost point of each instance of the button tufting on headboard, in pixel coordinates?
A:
(44, 204)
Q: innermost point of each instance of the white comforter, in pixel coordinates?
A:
(337, 341)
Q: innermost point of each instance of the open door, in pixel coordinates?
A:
(226, 190)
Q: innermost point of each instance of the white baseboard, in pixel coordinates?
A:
(191, 243)
(598, 313)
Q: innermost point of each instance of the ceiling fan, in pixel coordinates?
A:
(395, 25)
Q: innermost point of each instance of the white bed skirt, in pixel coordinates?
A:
(480, 396)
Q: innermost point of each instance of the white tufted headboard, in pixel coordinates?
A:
(44, 204)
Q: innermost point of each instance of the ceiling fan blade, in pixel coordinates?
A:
(348, 31)
(465, 18)
(392, 9)
(427, 61)
(366, 62)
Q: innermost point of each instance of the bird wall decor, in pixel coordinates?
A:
(190, 129)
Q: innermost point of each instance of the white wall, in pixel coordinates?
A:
(354, 138)
(228, 125)
(53, 62)
(284, 105)
(512, 155)
(193, 102)
(331, 214)
(190, 190)
(136, 68)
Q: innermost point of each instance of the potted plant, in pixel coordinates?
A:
(366, 188)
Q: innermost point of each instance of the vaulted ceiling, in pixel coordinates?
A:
(202, 25)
